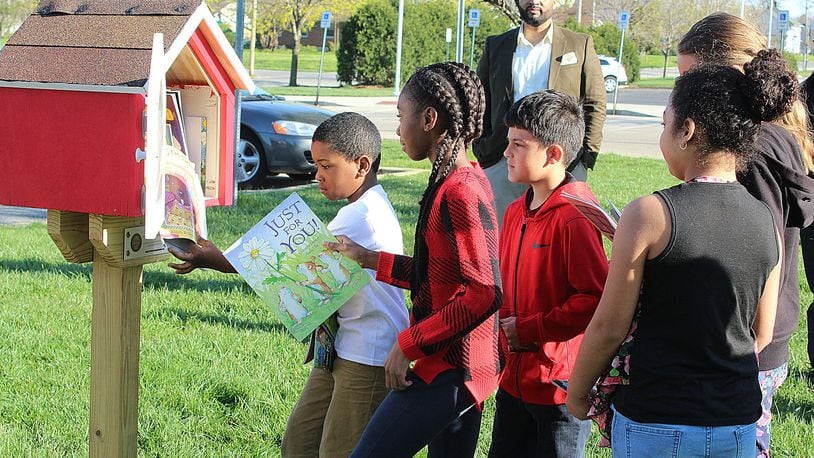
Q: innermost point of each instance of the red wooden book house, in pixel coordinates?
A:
(73, 85)
(82, 104)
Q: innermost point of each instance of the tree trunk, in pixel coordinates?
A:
(666, 58)
(295, 55)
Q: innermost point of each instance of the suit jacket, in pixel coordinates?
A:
(582, 79)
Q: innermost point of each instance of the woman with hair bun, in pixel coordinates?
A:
(777, 177)
(701, 263)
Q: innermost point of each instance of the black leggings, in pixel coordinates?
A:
(807, 242)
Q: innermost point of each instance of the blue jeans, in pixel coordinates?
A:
(441, 414)
(522, 429)
(642, 440)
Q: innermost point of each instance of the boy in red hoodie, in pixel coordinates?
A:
(553, 269)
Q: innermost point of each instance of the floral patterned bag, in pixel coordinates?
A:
(604, 391)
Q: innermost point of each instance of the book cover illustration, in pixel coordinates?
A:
(284, 261)
(175, 122)
(184, 205)
(595, 213)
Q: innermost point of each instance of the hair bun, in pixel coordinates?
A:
(771, 87)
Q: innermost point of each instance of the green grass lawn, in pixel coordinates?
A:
(280, 59)
(219, 374)
(656, 61)
(655, 83)
(331, 91)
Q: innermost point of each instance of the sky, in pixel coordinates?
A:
(795, 7)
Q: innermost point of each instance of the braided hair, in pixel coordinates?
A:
(455, 91)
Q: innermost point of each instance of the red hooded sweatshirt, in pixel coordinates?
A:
(553, 269)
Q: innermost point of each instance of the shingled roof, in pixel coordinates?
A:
(92, 42)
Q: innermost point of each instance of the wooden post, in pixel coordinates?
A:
(116, 322)
(116, 319)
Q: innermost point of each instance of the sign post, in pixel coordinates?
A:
(624, 21)
(474, 23)
(325, 23)
(449, 40)
(782, 26)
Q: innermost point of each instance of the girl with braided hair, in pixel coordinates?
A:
(452, 341)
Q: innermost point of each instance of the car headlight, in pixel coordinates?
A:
(294, 128)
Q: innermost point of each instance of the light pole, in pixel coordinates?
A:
(806, 37)
(397, 87)
(579, 12)
(459, 42)
(771, 14)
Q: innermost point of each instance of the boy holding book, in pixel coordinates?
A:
(553, 268)
(343, 392)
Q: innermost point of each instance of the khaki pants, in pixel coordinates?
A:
(333, 410)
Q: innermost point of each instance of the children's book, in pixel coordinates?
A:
(175, 122)
(284, 261)
(595, 213)
(184, 205)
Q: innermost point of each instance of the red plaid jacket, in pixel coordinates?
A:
(454, 320)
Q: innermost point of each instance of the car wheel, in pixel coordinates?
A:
(250, 167)
(303, 176)
(610, 83)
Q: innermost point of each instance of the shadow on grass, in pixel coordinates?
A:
(151, 280)
(174, 282)
(37, 266)
(216, 320)
(800, 408)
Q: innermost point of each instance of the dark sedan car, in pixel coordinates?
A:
(275, 137)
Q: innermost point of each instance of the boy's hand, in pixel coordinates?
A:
(366, 258)
(509, 325)
(202, 254)
(395, 369)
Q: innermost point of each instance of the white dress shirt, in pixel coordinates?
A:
(531, 64)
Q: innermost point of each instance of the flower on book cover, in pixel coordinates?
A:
(256, 255)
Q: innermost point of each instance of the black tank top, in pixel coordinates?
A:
(693, 360)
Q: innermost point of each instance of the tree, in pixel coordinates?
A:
(13, 13)
(297, 17)
(507, 7)
(668, 21)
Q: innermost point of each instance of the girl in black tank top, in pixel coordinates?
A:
(702, 260)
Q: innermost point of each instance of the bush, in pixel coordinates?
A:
(423, 40)
(791, 60)
(606, 41)
(365, 54)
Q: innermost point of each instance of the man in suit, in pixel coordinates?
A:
(536, 56)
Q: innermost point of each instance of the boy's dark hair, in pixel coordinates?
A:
(728, 106)
(351, 135)
(455, 90)
(551, 117)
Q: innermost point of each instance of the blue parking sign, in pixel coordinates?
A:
(624, 20)
(474, 18)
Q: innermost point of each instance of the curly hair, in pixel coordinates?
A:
(725, 39)
(455, 91)
(728, 106)
(351, 135)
